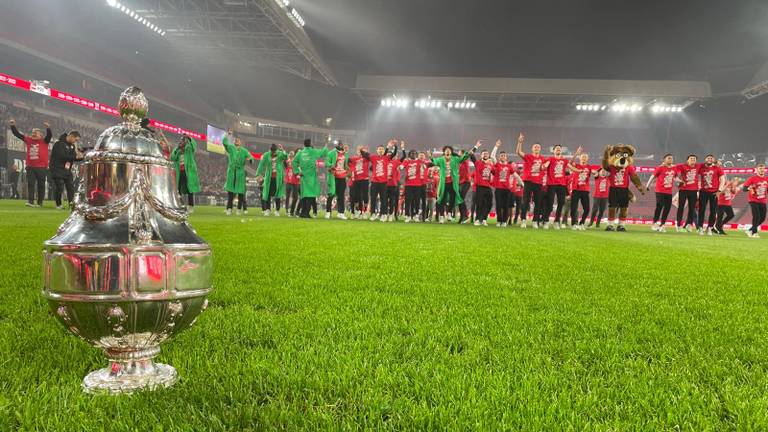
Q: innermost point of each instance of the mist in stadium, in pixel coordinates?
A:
(383, 215)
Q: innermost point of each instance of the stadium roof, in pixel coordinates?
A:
(244, 32)
(531, 96)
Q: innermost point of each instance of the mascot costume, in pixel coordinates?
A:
(618, 161)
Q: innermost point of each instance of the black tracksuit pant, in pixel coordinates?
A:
(241, 204)
(724, 215)
(758, 216)
(579, 197)
(707, 200)
(341, 189)
(663, 205)
(36, 183)
(379, 198)
(555, 192)
(484, 197)
(412, 200)
(598, 209)
(688, 196)
(531, 193)
(60, 184)
(392, 196)
(502, 204)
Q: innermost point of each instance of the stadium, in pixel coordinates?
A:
(346, 215)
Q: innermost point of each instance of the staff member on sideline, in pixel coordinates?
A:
(63, 154)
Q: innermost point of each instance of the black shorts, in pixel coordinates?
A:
(618, 197)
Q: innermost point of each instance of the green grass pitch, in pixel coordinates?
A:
(318, 324)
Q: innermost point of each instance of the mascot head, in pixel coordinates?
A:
(618, 156)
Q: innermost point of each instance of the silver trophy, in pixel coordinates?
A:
(126, 271)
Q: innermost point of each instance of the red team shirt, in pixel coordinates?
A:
(532, 168)
(761, 187)
(414, 171)
(424, 172)
(556, 171)
(290, 178)
(359, 166)
(619, 178)
(689, 175)
(393, 173)
(665, 179)
(502, 174)
(726, 198)
(338, 169)
(581, 179)
(710, 177)
(379, 166)
(464, 172)
(601, 187)
(483, 173)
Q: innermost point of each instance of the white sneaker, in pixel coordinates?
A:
(266, 213)
(239, 212)
(59, 207)
(709, 232)
(407, 219)
(328, 215)
(276, 214)
(546, 226)
(477, 223)
(374, 217)
(655, 226)
(523, 225)
(661, 229)
(228, 212)
(535, 225)
(557, 225)
(582, 227)
(442, 219)
(383, 218)
(574, 227)
(485, 223)
(700, 231)
(341, 216)
(688, 229)
(245, 211)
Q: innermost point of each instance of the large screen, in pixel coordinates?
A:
(215, 136)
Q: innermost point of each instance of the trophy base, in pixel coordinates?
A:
(130, 375)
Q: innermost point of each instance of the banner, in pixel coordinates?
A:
(215, 136)
(13, 143)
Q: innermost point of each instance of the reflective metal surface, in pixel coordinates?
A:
(126, 271)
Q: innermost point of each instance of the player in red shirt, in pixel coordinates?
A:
(533, 172)
(292, 183)
(664, 175)
(599, 197)
(414, 170)
(724, 205)
(516, 187)
(688, 186)
(483, 196)
(425, 179)
(712, 179)
(37, 161)
(393, 185)
(465, 182)
(757, 186)
(337, 165)
(504, 172)
(580, 194)
(359, 166)
(557, 168)
(379, 163)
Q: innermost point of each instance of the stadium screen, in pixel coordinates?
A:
(215, 136)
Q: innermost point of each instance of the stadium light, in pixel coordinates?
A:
(126, 10)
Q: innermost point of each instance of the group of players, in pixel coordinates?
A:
(421, 188)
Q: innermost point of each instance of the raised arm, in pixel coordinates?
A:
(495, 149)
(519, 148)
(15, 131)
(48, 133)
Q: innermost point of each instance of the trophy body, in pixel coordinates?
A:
(126, 271)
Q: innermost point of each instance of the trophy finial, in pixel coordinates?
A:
(133, 105)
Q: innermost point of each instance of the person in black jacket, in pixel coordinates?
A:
(64, 153)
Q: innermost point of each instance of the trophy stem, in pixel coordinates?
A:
(130, 371)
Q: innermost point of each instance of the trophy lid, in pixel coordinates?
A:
(129, 137)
